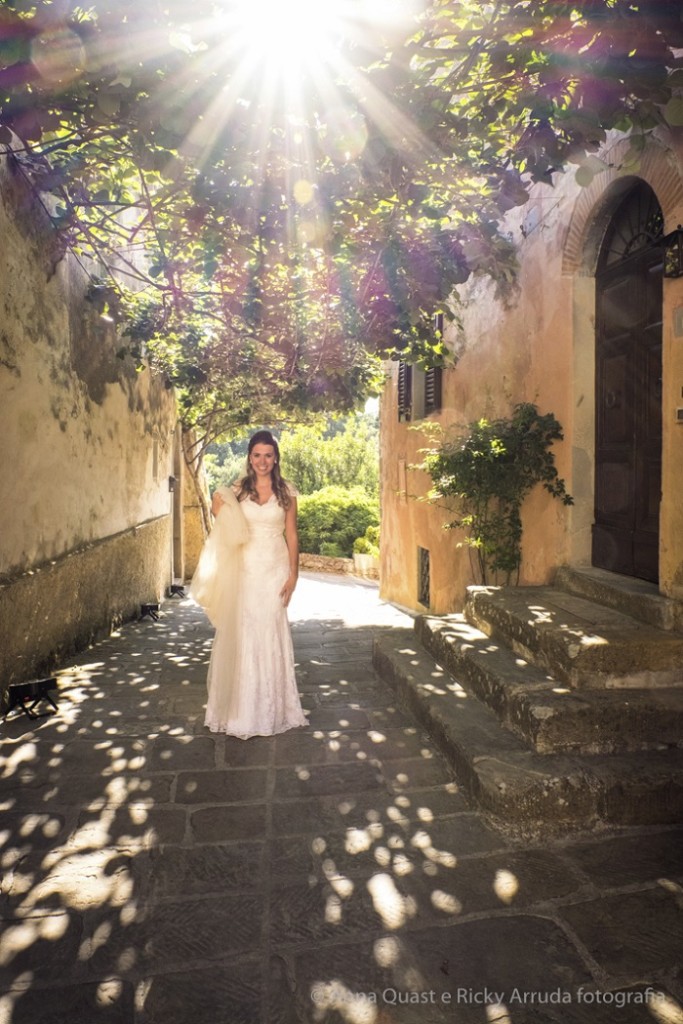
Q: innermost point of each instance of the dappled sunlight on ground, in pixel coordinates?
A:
(84, 798)
(153, 872)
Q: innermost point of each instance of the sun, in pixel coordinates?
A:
(286, 40)
(286, 32)
(291, 41)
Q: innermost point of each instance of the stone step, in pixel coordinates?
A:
(637, 598)
(523, 790)
(545, 713)
(580, 642)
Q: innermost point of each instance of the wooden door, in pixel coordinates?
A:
(628, 392)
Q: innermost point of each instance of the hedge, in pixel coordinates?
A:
(331, 519)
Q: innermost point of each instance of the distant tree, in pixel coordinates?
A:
(224, 472)
(303, 457)
(314, 458)
(353, 456)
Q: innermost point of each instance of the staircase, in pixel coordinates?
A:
(559, 707)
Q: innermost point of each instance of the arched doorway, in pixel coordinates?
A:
(628, 392)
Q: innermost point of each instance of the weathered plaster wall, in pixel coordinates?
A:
(518, 353)
(87, 447)
(539, 348)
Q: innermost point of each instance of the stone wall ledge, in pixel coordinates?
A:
(325, 563)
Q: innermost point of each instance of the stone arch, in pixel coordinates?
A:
(596, 203)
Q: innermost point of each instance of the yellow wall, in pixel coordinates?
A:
(86, 453)
(539, 347)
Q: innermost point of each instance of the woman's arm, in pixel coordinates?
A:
(292, 539)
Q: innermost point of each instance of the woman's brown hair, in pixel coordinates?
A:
(248, 482)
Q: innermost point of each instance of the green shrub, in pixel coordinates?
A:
(368, 544)
(372, 535)
(489, 473)
(345, 453)
(331, 549)
(335, 515)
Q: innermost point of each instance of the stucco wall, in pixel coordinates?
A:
(87, 449)
(539, 347)
(507, 354)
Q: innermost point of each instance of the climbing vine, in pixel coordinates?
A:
(488, 473)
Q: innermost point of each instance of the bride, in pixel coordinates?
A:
(245, 578)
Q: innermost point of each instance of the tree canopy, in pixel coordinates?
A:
(267, 236)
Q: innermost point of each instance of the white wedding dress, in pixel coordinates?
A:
(261, 698)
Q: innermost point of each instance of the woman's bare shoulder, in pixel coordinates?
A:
(291, 489)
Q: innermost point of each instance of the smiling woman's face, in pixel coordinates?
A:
(262, 459)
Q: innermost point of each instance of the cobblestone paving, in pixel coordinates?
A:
(155, 874)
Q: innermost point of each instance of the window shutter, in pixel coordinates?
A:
(405, 390)
(433, 389)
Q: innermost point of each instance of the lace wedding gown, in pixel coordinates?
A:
(262, 698)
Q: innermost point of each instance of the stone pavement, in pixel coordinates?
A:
(156, 874)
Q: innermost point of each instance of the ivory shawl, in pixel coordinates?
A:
(216, 581)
